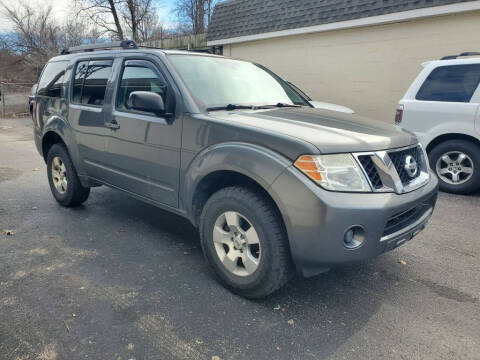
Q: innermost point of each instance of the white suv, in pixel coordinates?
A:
(442, 107)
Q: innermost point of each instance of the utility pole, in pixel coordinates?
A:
(2, 89)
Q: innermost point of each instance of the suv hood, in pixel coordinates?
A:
(329, 131)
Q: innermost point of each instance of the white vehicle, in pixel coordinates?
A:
(442, 107)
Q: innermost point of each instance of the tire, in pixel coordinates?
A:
(272, 255)
(71, 193)
(460, 173)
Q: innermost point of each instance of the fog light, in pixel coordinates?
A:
(354, 237)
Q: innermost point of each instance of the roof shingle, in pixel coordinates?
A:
(235, 18)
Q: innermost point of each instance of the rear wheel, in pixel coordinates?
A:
(63, 179)
(457, 165)
(245, 242)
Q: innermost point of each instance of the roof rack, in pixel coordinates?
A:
(453, 57)
(124, 44)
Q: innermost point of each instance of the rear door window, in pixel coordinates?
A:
(80, 72)
(52, 80)
(90, 82)
(454, 83)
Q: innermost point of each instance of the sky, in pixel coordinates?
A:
(62, 8)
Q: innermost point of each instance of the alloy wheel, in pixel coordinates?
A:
(455, 167)
(237, 244)
(59, 175)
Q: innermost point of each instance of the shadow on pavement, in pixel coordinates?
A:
(308, 316)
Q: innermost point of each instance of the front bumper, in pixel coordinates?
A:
(316, 220)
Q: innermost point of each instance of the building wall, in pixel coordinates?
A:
(368, 69)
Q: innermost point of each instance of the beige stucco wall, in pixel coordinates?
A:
(368, 69)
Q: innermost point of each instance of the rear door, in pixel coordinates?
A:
(90, 81)
(143, 149)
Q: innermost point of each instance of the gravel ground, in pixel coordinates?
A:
(120, 279)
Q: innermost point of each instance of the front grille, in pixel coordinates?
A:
(403, 219)
(397, 170)
(399, 160)
(371, 171)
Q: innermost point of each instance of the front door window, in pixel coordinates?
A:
(138, 78)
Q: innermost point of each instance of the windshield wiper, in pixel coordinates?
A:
(279, 105)
(230, 107)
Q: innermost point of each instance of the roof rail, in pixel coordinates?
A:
(453, 57)
(124, 44)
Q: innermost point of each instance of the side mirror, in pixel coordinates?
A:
(147, 101)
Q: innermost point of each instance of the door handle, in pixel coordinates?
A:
(113, 125)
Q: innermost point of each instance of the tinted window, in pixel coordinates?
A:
(455, 83)
(138, 78)
(95, 83)
(80, 72)
(51, 82)
(90, 83)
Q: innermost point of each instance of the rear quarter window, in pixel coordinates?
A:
(454, 83)
(52, 79)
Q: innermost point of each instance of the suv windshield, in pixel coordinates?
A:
(217, 82)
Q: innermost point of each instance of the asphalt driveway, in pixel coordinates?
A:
(120, 279)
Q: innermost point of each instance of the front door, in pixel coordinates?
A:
(143, 149)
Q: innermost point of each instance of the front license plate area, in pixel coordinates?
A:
(406, 237)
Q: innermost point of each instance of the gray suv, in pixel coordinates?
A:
(273, 184)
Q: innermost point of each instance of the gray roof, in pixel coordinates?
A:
(235, 18)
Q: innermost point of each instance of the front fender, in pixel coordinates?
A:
(63, 129)
(256, 162)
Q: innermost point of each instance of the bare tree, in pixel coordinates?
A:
(104, 14)
(74, 32)
(194, 14)
(209, 4)
(119, 18)
(14, 67)
(138, 15)
(36, 36)
(35, 33)
(187, 14)
(150, 28)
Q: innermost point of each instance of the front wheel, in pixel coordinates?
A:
(245, 242)
(457, 165)
(63, 179)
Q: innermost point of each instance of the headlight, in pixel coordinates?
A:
(337, 172)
